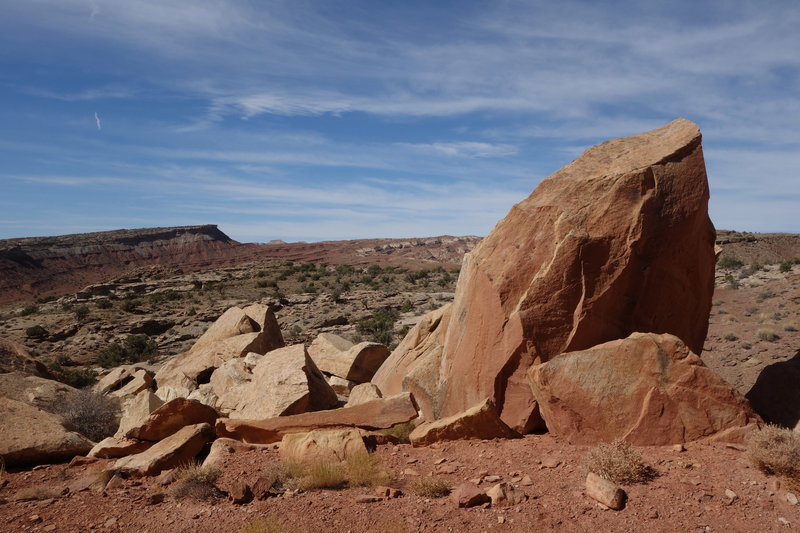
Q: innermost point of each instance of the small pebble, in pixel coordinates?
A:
(791, 498)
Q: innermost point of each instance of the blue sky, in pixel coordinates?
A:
(314, 120)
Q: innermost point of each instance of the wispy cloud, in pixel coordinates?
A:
(97, 120)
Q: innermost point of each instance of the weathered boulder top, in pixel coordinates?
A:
(617, 241)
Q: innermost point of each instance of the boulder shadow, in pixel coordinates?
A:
(776, 393)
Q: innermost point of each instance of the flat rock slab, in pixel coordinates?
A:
(479, 422)
(113, 447)
(177, 449)
(377, 414)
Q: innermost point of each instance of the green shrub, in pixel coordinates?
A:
(766, 334)
(29, 309)
(35, 332)
(77, 378)
(103, 304)
(785, 266)
(379, 327)
(45, 299)
(81, 312)
(730, 263)
(407, 306)
(129, 306)
(134, 348)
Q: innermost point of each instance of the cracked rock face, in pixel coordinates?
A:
(617, 241)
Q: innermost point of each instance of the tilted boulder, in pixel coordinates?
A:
(377, 414)
(481, 421)
(648, 389)
(617, 241)
(141, 380)
(33, 390)
(113, 447)
(171, 417)
(30, 436)
(136, 412)
(15, 358)
(285, 382)
(339, 357)
(180, 448)
(116, 378)
(231, 323)
(268, 325)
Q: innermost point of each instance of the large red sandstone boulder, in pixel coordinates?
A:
(170, 417)
(478, 422)
(647, 389)
(180, 448)
(617, 241)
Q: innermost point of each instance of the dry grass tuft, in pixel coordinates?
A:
(776, 451)
(266, 525)
(766, 334)
(366, 470)
(196, 482)
(430, 487)
(323, 474)
(617, 462)
(37, 493)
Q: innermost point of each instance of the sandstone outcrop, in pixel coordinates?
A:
(285, 382)
(478, 422)
(15, 358)
(113, 447)
(377, 414)
(32, 436)
(647, 389)
(599, 250)
(33, 390)
(362, 393)
(137, 411)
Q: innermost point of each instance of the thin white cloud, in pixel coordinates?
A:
(97, 120)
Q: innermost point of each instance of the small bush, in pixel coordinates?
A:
(196, 482)
(134, 348)
(764, 295)
(785, 266)
(45, 299)
(730, 337)
(732, 283)
(93, 415)
(730, 263)
(35, 332)
(78, 378)
(789, 327)
(366, 470)
(29, 309)
(766, 334)
(407, 306)
(103, 304)
(379, 327)
(776, 451)
(430, 487)
(336, 296)
(617, 462)
(81, 312)
(129, 306)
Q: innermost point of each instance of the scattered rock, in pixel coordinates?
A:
(358, 363)
(388, 492)
(505, 495)
(791, 498)
(468, 495)
(113, 447)
(240, 493)
(367, 498)
(137, 410)
(605, 492)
